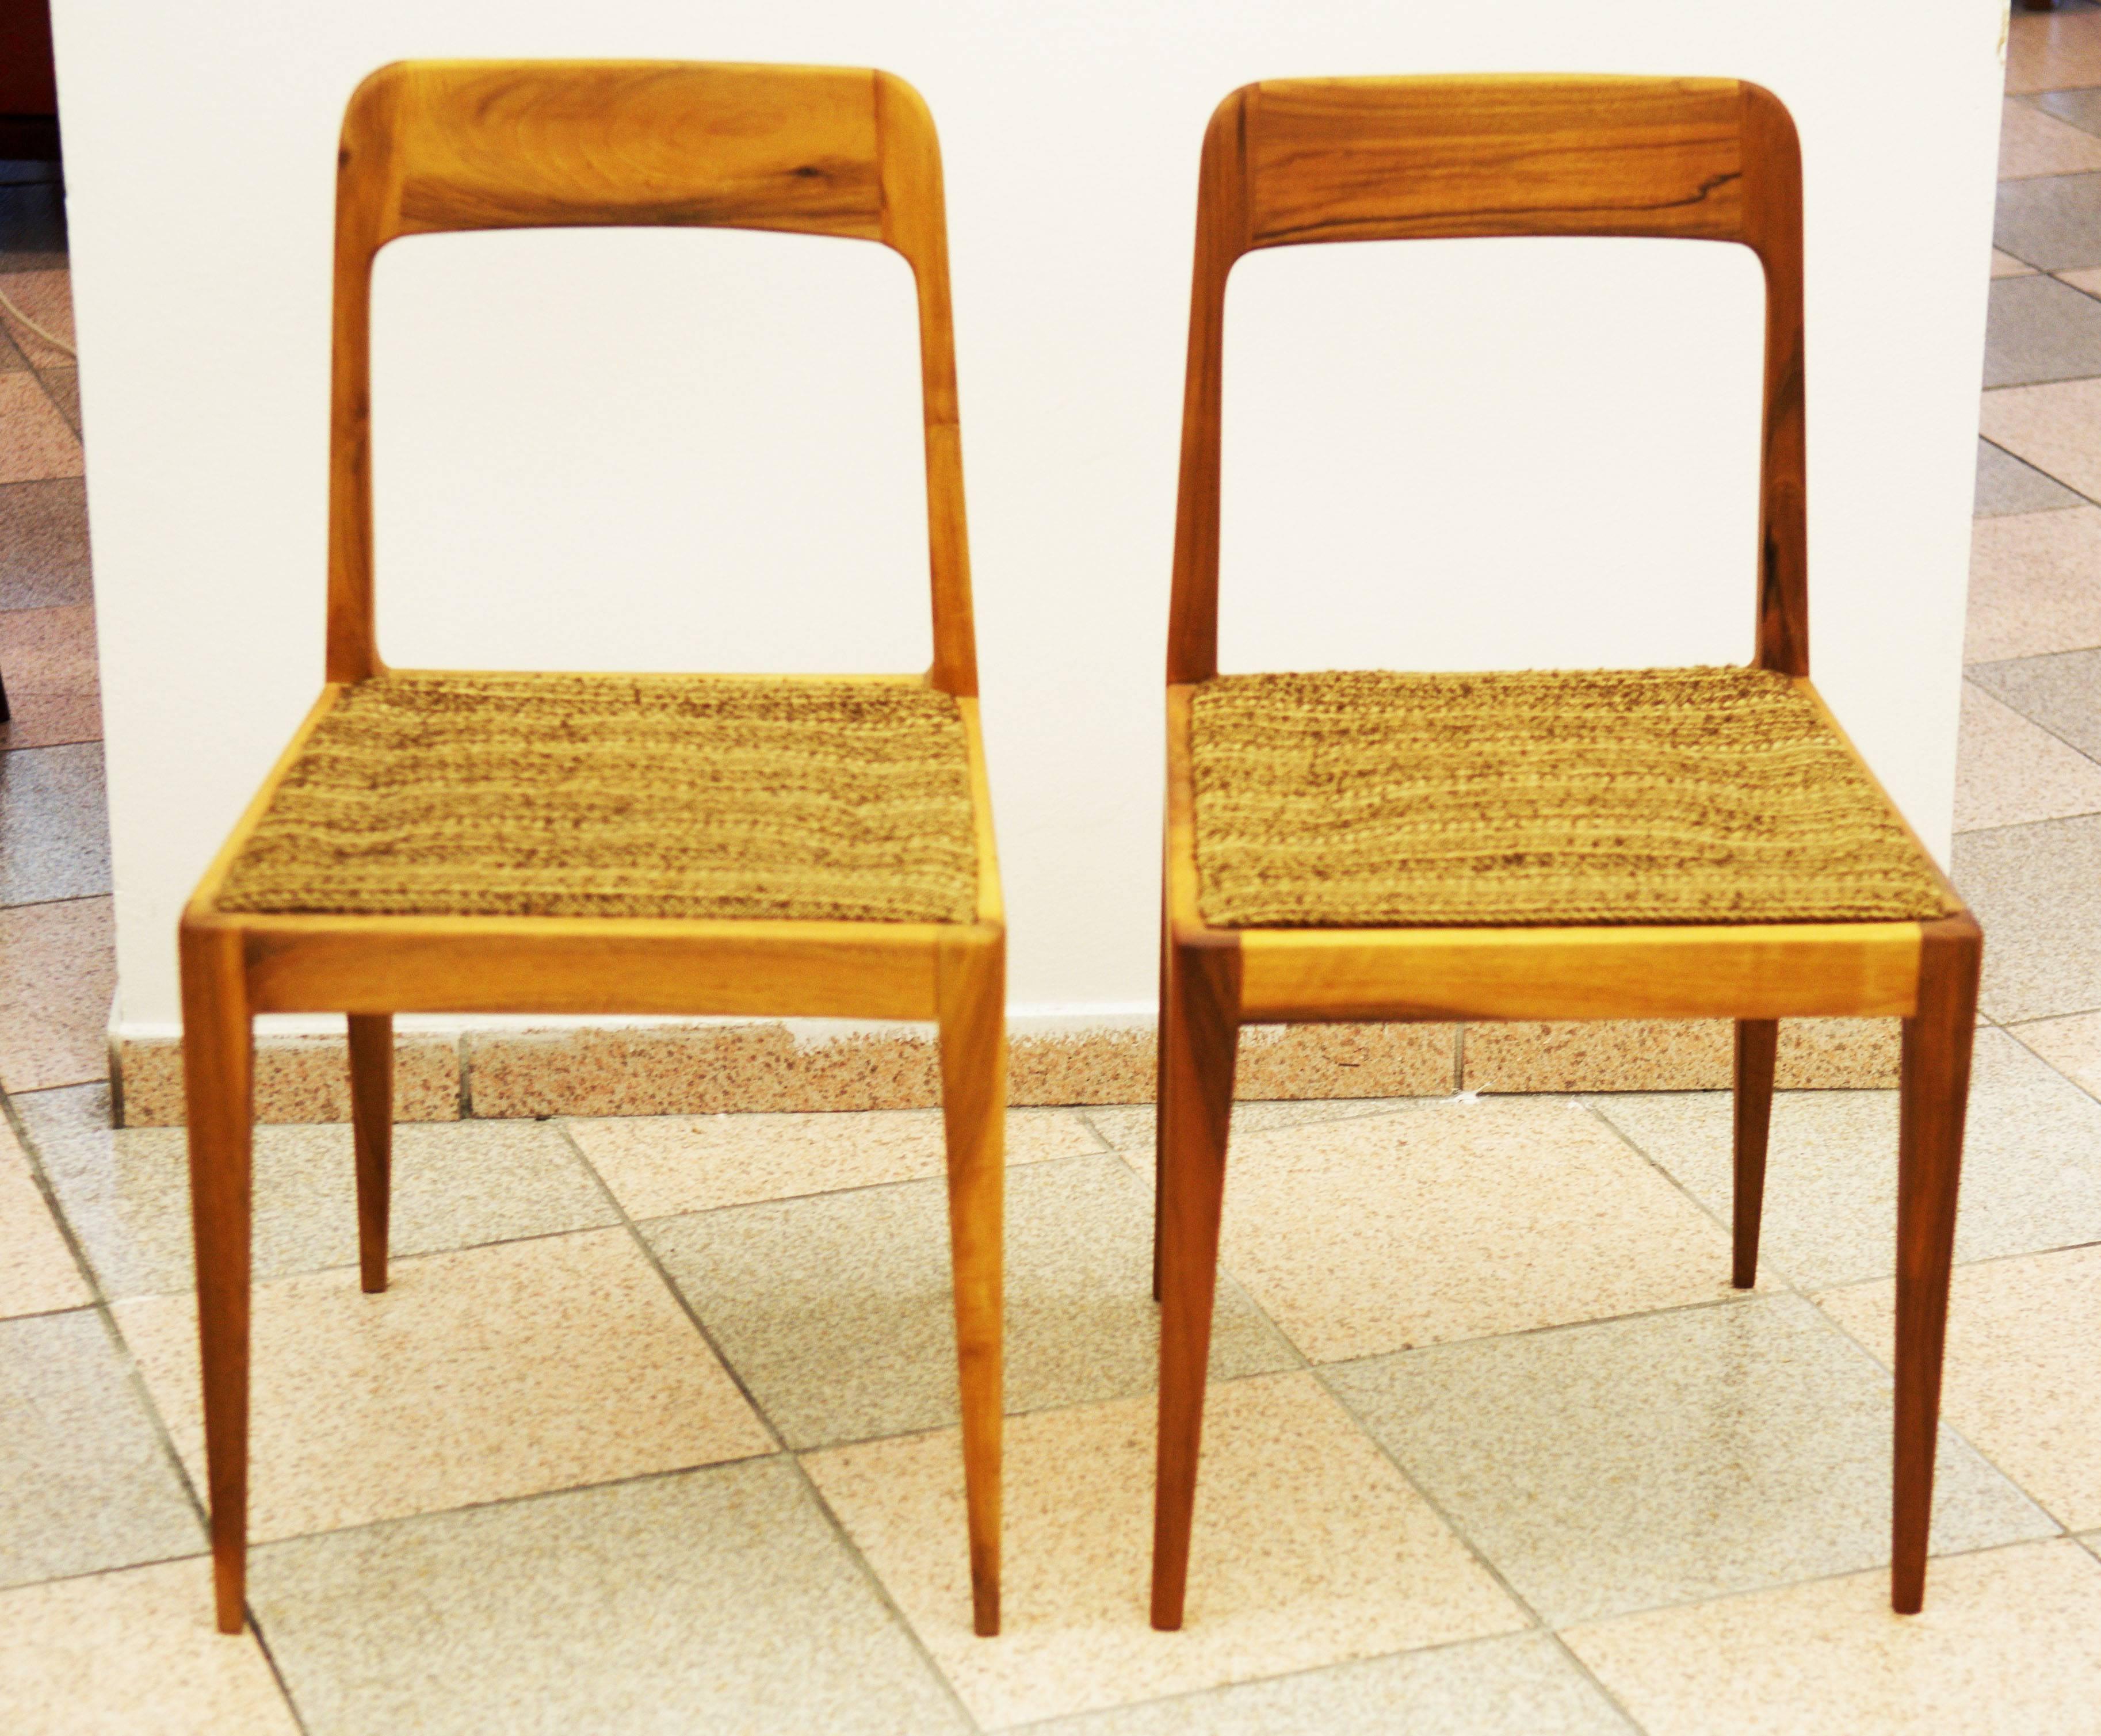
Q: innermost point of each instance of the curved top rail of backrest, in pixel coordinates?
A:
(1298, 161)
(436, 146)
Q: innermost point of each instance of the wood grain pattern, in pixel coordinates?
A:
(1758, 1047)
(1290, 161)
(437, 146)
(1933, 1098)
(1314, 161)
(431, 147)
(372, 1133)
(1199, 1045)
(219, 1067)
(973, 1017)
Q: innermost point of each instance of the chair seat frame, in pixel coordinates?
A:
(1313, 161)
(434, 146)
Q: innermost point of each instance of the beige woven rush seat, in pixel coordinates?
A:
(655, 796)
(581, 844)
(1366, 799)
(1641, 844)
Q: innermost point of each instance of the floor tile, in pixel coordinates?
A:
(660, 1165)
(43, 545)
(37, 1275)
(2032, 142)
(2021, 1382)
(47, 659)
(49, 650)
(457, 1184)
(1521, 1685)
(2041, 329)
(32, 226)
(495, 1372)
(35, 442)
(50, 720)
(1362, 1236)
(2006, 265)
(2056, 428)
(719, 1600)
(2035, 585)
(62, 386)
(2078, 107)
(1128, 1127)
(2009, 771)
(836, 1310)
(2032, 889)
(2072, 1045)
(47, 298)
(1310, 1549)
(133, 1654)
(58, 971)
(85, 1483)
(2052, 221)
(53, 824)
(1618, 1466)
(2032, 1166)
(2052, 50)
(2009, 1644)
(2063, 693)
(2005, 485)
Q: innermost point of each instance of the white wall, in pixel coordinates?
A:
(635, 450)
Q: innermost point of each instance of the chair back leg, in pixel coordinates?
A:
(1935, 1092)
(372, 1127)
(219, 1068)
(973, 1013)
(1199, 1042)
(1758, 1042)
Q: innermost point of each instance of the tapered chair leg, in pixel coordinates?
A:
(973, 1018)
(218, 1069)
(1758, 1042)
(1199, 1039)
(1936, 1094)
(1160, 1108)
(372, 1125)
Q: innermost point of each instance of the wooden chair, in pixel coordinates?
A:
(1377, 891)
(384, 868)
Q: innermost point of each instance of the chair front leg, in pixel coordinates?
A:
(371, 1128)
(219, 1072)
(1199, 1044)
(1935, 1093)
(1757, 1043)
(973, 1018)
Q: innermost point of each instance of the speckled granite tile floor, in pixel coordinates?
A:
(656, 1431)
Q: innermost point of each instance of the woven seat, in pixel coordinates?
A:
(1370, 800)
(562, 795)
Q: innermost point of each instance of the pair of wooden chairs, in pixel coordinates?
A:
(1678, 843)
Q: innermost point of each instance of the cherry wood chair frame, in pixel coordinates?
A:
(1341, 159)
(430, 147)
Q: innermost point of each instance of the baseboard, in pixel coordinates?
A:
(600, 1068)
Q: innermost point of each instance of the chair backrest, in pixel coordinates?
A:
(1377, 159)
(440, 145)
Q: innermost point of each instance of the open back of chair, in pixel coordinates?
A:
(436, 146)
(1379, 159)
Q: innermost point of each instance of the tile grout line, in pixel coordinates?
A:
(1787, 1284)
(1968, 681)
(783, 1451)
(1887, 1378)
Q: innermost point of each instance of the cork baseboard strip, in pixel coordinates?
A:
(707, 1069)
(297, 1079)
(1674, 1055)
